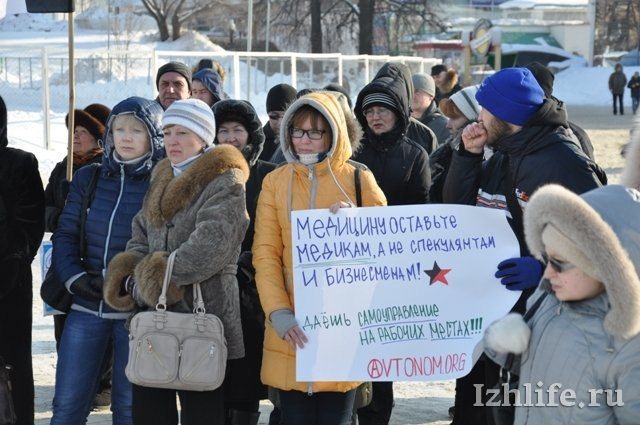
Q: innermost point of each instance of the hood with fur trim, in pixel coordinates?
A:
(345, 130)
(602, 224)
(244, 110)
(631, 173)
(169, 194)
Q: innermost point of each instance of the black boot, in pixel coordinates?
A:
(238, 417)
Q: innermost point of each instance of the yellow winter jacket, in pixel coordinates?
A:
(297, 187)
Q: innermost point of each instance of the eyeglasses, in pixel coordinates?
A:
(313, 134)
(381, 111)
(556, 265)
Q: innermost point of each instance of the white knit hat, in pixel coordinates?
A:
(465, 100)
(194, 115)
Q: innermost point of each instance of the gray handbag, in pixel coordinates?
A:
(180, 351)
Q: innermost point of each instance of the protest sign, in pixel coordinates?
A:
(397, 293)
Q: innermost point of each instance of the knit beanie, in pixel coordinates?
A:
(512, 94)
(178, 67)
(93, 118)
(424, 83)
(280, 96)
(599, 234)
(466, 102)
(194, 115)
(381, 99)
(543, 76)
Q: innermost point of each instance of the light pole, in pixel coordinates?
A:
(266, 37)
(250, 26)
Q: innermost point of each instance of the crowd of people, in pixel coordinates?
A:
(194, 182)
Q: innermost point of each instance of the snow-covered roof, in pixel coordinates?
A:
(513, 48)
(531, 4)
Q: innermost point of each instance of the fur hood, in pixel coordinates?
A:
(631, 173)
(346, 131)
(602, 224)
(244, 110)
(169, 194)
(450, 82)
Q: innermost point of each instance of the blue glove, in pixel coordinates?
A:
(520, 273)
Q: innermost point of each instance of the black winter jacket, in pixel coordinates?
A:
(399, 164)
(56, 191)
(422, 135)
(634, 86)
(244, 374)
(270, 143)
(437, 122)
(21, 213)
(544, 151)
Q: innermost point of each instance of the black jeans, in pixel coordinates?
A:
(378, 412)
(326, 408)
(635, 101)
(15, 348)
(155, 406)
(620, 99)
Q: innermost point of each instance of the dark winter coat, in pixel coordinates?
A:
(422, 135)
(543, 152)
(437, 122)
(270, 143)
(583, 139)
(21, 213)
(117, 198)
(399, 164)
(55, 194)
(243, 381)
(199, 214)
(617, 82)
(439, 163)
(634, 85)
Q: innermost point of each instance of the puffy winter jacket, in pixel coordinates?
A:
(544, 151)
(617, 82)
(569, 346)
(117, 198)
(298, 187)
(400, 165)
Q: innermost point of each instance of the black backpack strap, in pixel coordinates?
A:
(87, 198)
(358, 188)
(359, 167)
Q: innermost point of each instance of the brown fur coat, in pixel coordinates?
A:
(201, 214)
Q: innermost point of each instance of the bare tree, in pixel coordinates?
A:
(175, 11)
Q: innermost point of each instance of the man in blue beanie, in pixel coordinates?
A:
(533, 146)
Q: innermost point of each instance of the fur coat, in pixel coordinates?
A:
(201, 214)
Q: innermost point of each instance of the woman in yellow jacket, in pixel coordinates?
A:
(318, 133)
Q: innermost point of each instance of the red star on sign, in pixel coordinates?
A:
(437, 274)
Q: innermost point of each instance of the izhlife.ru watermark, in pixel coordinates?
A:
(528, 396)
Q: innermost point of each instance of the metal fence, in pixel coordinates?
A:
(37, 80)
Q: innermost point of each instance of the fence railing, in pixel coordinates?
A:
(37, 80)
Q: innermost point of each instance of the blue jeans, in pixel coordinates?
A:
(326, 408)
(82, 349)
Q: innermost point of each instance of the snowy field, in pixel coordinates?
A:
(584, 90)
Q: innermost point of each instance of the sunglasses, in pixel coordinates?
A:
(556, 265)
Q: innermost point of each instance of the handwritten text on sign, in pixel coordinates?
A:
(397, 293)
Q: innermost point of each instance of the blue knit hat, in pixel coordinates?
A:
(512, 94)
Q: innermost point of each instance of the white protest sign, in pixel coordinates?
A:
(397, 293)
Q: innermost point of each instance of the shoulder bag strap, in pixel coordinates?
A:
(162, 300)
(358, 188)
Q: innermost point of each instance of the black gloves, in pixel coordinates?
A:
(88, 286)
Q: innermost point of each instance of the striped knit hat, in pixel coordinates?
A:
(382, 99)
(194, 115)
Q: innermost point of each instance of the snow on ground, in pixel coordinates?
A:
(588, 86)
